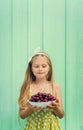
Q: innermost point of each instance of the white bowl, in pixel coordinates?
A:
(40, 104)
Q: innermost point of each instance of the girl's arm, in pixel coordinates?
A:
(57, 105)
(24, 112)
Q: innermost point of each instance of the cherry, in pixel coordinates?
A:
(42, 97)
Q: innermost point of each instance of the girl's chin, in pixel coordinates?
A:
(41, 77)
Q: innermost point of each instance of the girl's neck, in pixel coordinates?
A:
(41, 81)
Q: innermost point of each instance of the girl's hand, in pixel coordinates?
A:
(53, 105)
(57, 108)
(37, 108)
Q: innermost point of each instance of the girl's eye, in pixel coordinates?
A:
(36, 66)
(44, 66)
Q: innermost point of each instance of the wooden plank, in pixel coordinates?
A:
(5, 65)
(19, 54)
(54, 41)
(74, 74)
(35, 25)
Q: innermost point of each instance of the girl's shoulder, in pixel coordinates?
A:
(56, 86)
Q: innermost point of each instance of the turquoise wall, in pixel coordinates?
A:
(55, 26)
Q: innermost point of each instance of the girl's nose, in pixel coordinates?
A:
(40, 68)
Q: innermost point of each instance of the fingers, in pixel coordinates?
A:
(37, 108)
(50, 106)
(53, 105)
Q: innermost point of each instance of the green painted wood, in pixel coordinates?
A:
(74, 61)
(54, 41)
(35, 25)
(5, 66)
(55, 27)
(20, 54)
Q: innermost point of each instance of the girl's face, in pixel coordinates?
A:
(40, 67)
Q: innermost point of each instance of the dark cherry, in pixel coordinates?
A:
(42, 97)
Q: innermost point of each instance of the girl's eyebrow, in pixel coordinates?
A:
(35, 64)
(42, 65)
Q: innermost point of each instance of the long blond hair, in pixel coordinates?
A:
(29, 78)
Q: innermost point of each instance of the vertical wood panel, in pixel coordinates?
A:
(74, 68)
(35, 25)
(5, 65)
(79, 64)
(54, 40)
(20, 53)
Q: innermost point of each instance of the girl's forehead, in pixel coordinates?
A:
(38, 59)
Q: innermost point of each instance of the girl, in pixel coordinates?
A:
(39, 78)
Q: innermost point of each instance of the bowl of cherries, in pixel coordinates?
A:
(41, 99)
